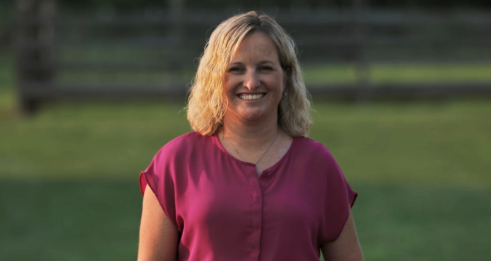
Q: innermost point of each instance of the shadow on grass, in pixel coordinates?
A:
(69, 220)
(99, 220)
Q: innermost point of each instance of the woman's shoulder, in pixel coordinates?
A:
(187, 139)
(312, 148)
(310, 144)
(184, 145)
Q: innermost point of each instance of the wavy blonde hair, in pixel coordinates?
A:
(207, 106)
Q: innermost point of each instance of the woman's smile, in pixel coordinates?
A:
(251, 97)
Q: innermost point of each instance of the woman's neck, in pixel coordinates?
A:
(249, 135)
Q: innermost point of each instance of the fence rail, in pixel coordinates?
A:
(286, 18)
(355, 36)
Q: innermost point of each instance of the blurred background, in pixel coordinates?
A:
(90, 90)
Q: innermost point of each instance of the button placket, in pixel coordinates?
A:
(265, 178)
(257, 206)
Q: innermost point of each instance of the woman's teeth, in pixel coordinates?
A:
(251, 96)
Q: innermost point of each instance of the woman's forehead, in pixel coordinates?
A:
(256, 45)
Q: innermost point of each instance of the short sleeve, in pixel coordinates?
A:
(159, 178)
(339, 198)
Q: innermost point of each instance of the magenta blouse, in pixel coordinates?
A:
(224, 211)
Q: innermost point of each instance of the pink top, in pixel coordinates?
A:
(224, 211)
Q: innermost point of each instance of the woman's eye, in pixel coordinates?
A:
(235, 69)
(266, 68)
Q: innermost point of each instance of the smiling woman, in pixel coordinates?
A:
(247, 184)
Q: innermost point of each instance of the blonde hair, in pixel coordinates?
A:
(207, 106)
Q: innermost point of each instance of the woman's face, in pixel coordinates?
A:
(254, 80)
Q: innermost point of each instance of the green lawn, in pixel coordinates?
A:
(394, 73)
(69, 188)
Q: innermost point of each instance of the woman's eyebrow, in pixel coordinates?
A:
(260, 62)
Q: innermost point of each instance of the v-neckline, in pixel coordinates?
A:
(219, 145)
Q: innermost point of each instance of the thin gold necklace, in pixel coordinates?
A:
(264, 153)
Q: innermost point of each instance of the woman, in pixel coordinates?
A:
(247, 184)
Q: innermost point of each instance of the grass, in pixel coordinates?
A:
(98, 220)
(69, 189)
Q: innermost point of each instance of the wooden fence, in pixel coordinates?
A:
(51, 46)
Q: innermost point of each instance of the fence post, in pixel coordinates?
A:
(177, 9)
(34, 51)
(362, 69)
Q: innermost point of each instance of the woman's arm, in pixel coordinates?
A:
(346, 247)
(158, 236)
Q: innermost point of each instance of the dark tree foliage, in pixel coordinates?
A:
(129, 5)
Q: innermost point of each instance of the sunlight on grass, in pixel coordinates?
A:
(329, 74)
(8, 97)
(441, 144)
(7, 103)
(419, 143)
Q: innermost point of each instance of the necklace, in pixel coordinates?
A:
(264, 153)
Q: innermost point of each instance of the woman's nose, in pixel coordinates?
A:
(251, 81)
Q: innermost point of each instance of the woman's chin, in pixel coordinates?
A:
(254, 115)
(251, 113)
